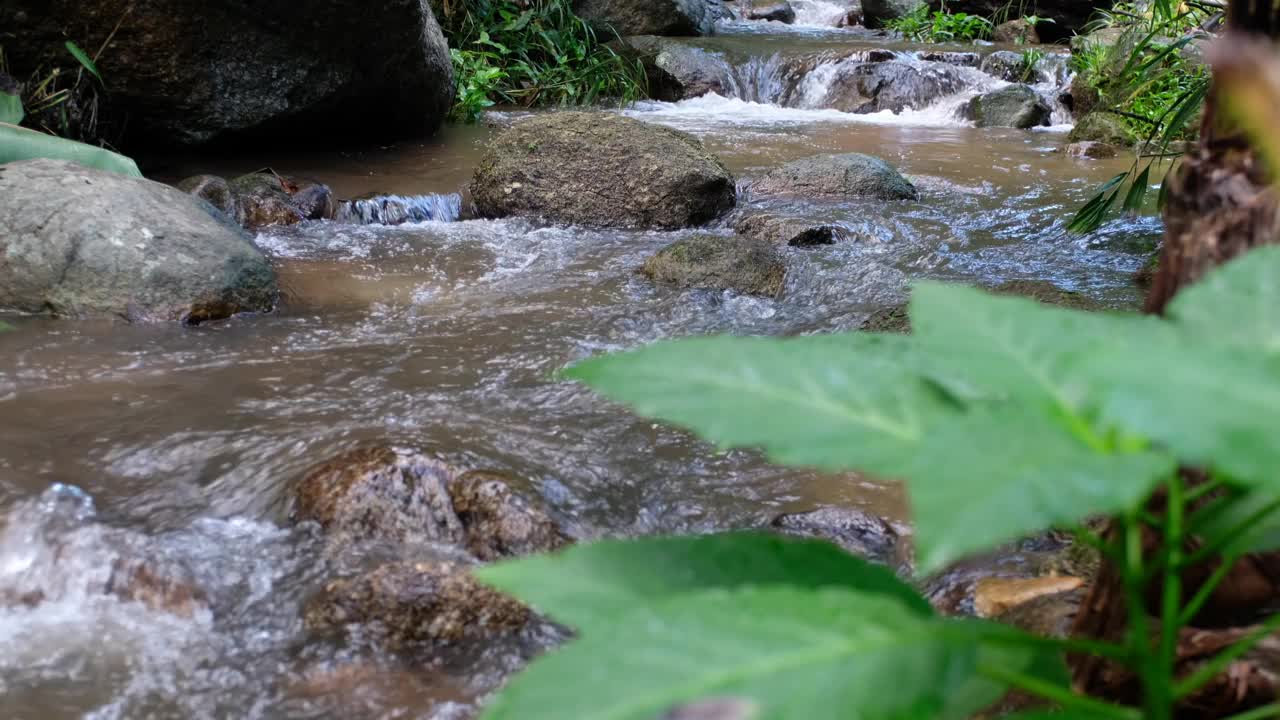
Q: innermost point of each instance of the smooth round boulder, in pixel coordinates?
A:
(79, 242)
(400, 497)
(718, 262)
(851, 175)
(1015, 106)
(677, 71)
(601, 170)
(436, 604)
(650, 17)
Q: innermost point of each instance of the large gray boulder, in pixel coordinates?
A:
(838, 176)
(602, 170)
(876, 12)
(650, 17)
(1015, 106)
(186, 71)
(893, 85)
(82, 242)
(677, 71)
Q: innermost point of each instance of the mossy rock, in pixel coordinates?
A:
(717, 262)
(1102, 127)
(848, 175)
(1015, 106)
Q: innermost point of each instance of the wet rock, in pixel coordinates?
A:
(401, 497)
(1046, 292)
(214, 190)
(264, 198)
(852, 18)
(1051, 615)
(850, 175)
(892, 319)
(858, 532)
(894, 86)
(650, 17)
(1006, 65)
(787, 231)
(996, 596)
(1102, 127)
(123, 247)
(1084, 97)
(677, 71)
(1015, 106)
(1015, 31)
(186, 72)
(602, 170)
(1145, 276)
(962, 59)
(717, 262)
(1092, 150)
(773, 11)
(436, 604)
(1037, 563)
(877, 12)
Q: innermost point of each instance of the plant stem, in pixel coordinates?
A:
(1171, 600)
(1225, 658)
(1156, 706)
(1061, 695)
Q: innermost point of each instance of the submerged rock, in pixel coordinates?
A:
(718, 262)
(1102, 127)
(781, 230)
(602, 170)
(400, 497)
(896, 318)
(214, 190)
(80, 242)
(1015, 106)
(773, 11)
(187, 72)
(839, 176)
(650, 17)
(1092, 150)
(1015, 31)
(859, 533)
(677, 71)
(892, 319)
(265, 198)
(436, 604)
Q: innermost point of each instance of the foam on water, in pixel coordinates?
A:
(712, 111)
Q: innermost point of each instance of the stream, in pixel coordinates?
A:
(443, 336)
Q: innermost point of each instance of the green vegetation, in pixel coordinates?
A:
(1027, 64)
(920, 25)
(531, 53)
(1050, 415)
(1144, 79)
(57, 111)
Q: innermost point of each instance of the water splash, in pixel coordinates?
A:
(400, 209)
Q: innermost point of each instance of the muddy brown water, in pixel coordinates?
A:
(445, 337)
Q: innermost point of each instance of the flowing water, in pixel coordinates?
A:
(180, 444)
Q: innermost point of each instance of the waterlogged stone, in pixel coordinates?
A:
(781, 12)
(1015, 106)
(603, 170)
(851, 175)
(1091, 150)
(782, 230)
(717, 262)
(857, 532)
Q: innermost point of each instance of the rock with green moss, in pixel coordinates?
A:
(720, 262)
(602, 170)
(849, 175)
(1102, 127)
(1015, 106)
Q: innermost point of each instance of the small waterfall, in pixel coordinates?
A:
(819, 13)
(400, 209)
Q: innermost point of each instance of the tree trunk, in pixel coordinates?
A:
(1220, 203)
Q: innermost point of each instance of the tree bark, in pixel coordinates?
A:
(1220, 203)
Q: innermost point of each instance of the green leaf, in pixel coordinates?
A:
(1237, 304)
(1137, 191)
(794, 653)
(807, 401)
(18, 143)
(1012, 469)
(83, 58)
(588, 586)
(11, 112)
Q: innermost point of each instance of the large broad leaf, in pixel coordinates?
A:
(1008, 470)
(588, 586)
(18, 143)
(11, 108)
(1210, 406)
(790, 652)
(1237, 304)
(808, 401)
